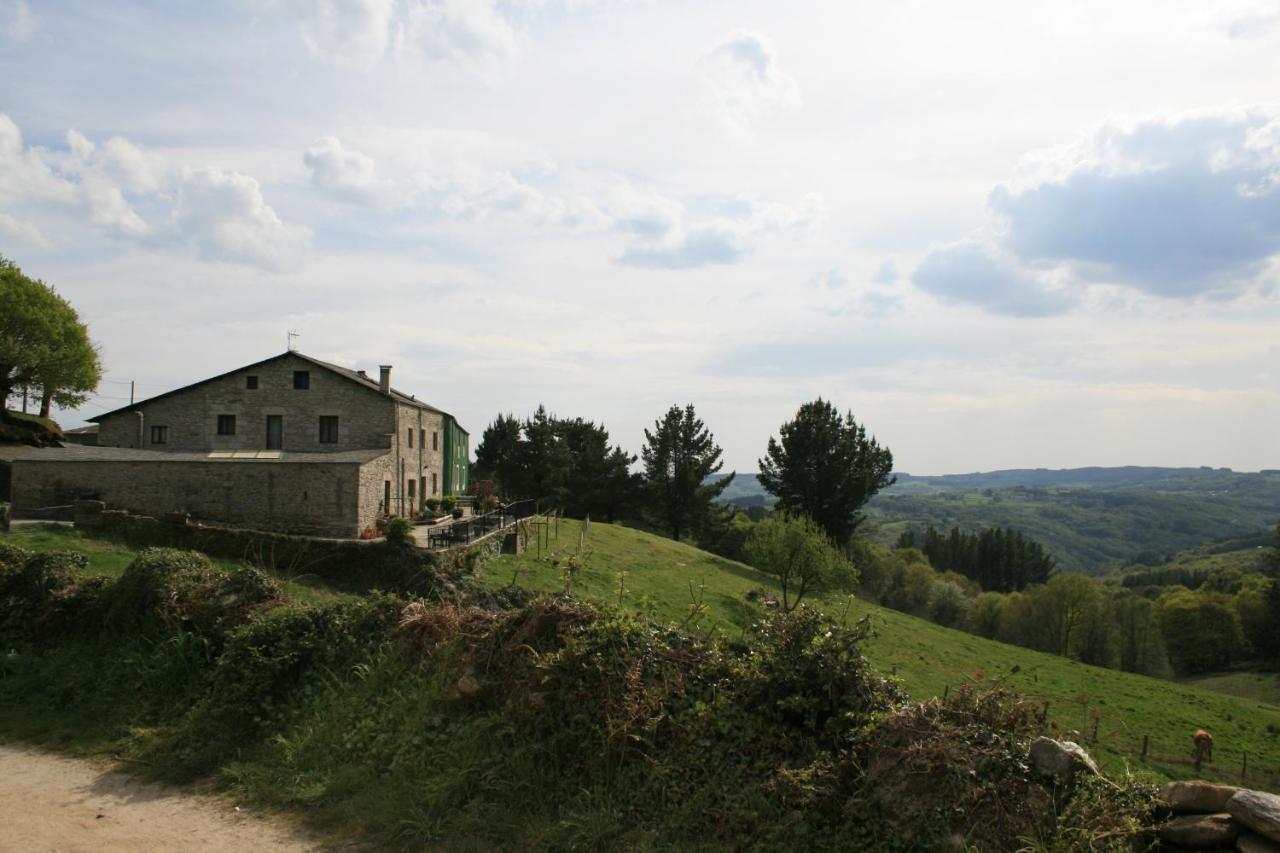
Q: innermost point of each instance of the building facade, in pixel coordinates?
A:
(291, 442)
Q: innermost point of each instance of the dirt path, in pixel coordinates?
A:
(50, 803)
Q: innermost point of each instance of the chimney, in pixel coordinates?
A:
(384, 378)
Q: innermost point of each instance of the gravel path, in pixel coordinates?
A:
(50, 803)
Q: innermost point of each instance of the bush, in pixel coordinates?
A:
(167, 590)
(433, 504)
(399, 529)
(448, 503)
(30, 586)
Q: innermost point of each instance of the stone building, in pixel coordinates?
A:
(289, 443)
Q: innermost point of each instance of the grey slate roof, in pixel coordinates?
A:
(89, 453)
(344, 372)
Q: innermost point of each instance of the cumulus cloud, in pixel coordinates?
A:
(467, 30)
(342, 171)
(16, 20)
(722, 239)
(887, 274)
(224, 216)
(221, 214)
(1176, 206)
(362, 33)
(742, 81)
(354, 33)
(971, 273)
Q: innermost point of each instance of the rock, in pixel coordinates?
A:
(1251, 842)
(1060, 758)
(1258, 811)
(468, 687)
(1198, 797)
(1201, 830)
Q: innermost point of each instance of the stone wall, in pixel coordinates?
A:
(366, 418)
(321, 498)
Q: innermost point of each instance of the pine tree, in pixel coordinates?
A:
(825, 467)
(679, 455)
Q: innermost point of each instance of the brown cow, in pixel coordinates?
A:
(1204, 745)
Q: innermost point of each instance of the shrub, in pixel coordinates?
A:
(797, 552)
(433, 504)
(399, 529)
(448, 503)
(164, 589)
(29, 585)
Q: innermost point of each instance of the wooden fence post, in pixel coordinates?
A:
(1244, 767)
(1145, 743)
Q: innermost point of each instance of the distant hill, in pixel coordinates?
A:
(1088, 518)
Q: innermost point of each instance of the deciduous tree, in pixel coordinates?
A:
(798, 553)
(43, 343)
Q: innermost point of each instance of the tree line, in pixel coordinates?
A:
(999, 559)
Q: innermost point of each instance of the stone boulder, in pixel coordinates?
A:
(1061, 758)
(1197, 797)
(1258, 811)
(1201, 830)
(468, 687)
(1251, 842)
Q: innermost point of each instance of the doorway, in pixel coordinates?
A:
(275, 432)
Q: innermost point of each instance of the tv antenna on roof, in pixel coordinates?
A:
(292, 335)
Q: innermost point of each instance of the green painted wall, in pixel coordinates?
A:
(457, 456)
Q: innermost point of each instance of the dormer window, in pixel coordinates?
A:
(251, 383)
(301, 380)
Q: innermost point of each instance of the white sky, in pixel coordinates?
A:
(1004, 234)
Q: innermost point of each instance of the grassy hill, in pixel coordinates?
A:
(677, 582)
(1088, 518)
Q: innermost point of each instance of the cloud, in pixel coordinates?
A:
(16, 20)
(354, 33)
(887, 274)
(1248, 19)
(720, 240)
(466, 30)
(224, 216)
(742, 82)
(343, 172)
(1177, 207)
(832, 279)
(970, 273)
(360, 34)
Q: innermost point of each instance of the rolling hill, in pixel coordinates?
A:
(1088, 518)
(677, 582)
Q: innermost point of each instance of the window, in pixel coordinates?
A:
(328, 429)
(435, 486)
(301, 380)
(159, 435)
(422, 438)
(226, 424)
(411, 436)
(423, 487)
(435, 441)
(251, 382)
(386, 497)
(412, 491)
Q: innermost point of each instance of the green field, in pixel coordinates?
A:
(668, 579)
(1257, 686)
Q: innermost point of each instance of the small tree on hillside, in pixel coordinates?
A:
(797, 552)
(824, 466)
(679, 455)
(42, 343)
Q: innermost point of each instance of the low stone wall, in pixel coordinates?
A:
(349, 564)
(315, 498)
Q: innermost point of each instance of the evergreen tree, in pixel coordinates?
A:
(498, 455)
(1000, 560)
(825, 467)
(679, 455)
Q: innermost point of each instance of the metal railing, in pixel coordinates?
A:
(464, 531)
